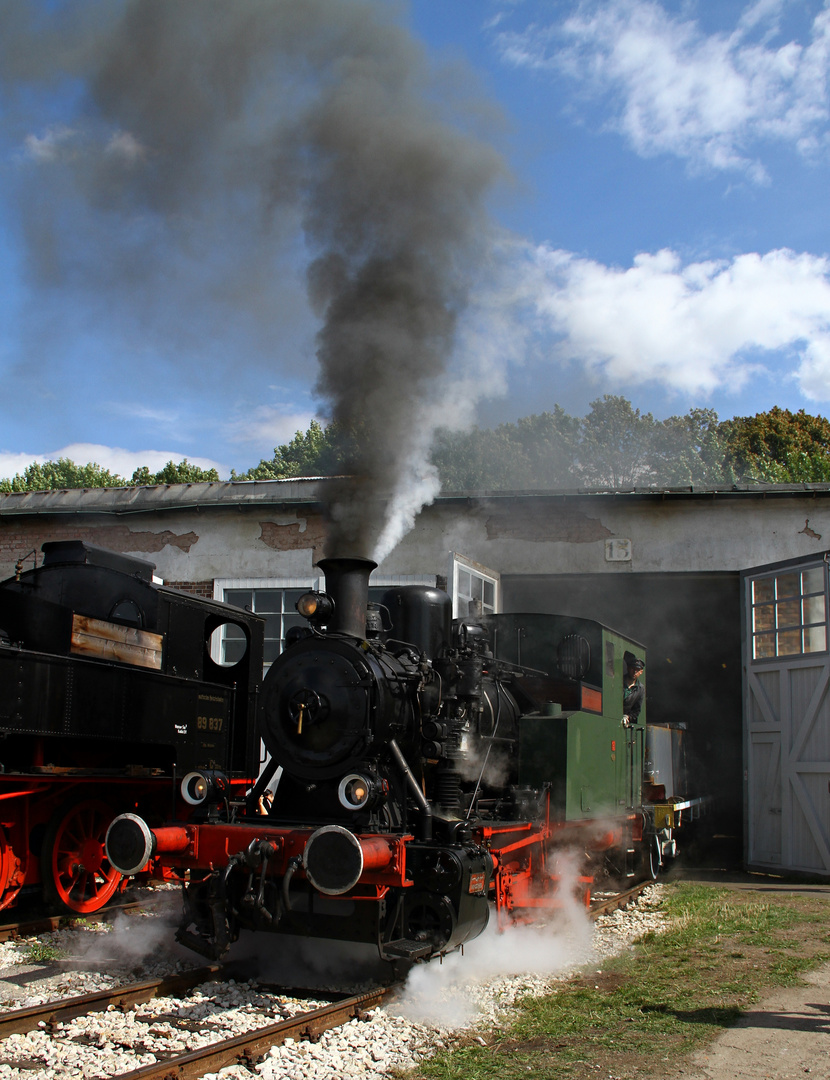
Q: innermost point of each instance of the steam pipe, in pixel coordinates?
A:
(418, 795)
(347, 582)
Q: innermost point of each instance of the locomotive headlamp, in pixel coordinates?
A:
(315, 606)
(356, 791)
(204, 785)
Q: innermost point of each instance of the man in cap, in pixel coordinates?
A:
(633, 692)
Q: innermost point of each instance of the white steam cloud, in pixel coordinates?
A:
(445, 994)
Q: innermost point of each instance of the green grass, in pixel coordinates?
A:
(40, 952)
(673, 993)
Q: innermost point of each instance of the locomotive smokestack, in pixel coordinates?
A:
(347, 582)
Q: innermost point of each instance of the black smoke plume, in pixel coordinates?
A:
(177, 158)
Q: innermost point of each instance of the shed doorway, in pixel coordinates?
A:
(787, 716)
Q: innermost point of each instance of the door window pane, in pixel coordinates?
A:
(788, 585)
(789, 613)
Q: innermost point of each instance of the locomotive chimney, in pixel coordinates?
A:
(347, 583)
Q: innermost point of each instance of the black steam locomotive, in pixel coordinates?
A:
(421, 776)
(109, 691)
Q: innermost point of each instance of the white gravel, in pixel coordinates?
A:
(464, 996)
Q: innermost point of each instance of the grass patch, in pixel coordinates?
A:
(40, 952)
(648, 1008)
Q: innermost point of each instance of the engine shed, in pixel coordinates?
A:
(668, 567)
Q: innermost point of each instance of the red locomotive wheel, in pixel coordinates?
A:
(5, 867)
(74, 865)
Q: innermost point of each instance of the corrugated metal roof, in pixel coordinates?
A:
(242, 493)
(137, 500)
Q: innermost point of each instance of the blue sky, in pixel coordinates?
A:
(662, 232)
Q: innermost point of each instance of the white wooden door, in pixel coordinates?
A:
(787, 721)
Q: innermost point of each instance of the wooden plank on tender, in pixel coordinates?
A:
(109, 641)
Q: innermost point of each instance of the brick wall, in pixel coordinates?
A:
(19, 536)
(195, 588)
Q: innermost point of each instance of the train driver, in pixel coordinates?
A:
(633, 692)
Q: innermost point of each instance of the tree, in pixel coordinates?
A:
(320, 451)
(615, 444)
(183, 473)
(688, 451)
(481, 459)
(64, 474)
(778, 446)
(550, 447)
(61, 474)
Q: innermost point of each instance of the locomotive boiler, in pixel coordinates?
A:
(109, 695)
(424, 772)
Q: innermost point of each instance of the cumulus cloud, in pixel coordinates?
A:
(707, 98)
(693, 328)
(114, 458)
(268, 425)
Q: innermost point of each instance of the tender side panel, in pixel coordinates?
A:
(44, 695)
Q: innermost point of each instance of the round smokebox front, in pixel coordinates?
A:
(316, 708)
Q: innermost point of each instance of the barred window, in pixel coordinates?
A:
(789, 613)
(276, 601)
(277, 606)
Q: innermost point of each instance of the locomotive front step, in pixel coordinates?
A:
(408, 950)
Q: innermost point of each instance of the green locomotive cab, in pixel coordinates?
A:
(578, 746)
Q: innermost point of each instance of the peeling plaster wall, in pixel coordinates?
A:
(674, 536)
(515, 535)
(186, 546)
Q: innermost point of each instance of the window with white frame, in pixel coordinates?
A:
(475, 590)
(789, 613)
(275, 600)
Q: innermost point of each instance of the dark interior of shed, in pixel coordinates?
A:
(690, 625)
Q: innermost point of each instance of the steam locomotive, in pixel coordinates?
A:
(109, 695)
(424, 772)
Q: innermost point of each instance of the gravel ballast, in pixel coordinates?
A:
(442, 1003)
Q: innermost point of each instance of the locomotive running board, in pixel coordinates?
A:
(407, 950)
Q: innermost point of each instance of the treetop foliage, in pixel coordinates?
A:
(316, 452)
(614, 445)
(64, 473)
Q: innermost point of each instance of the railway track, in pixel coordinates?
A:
(247, 1049)
(242, 1049)
(54, 1020)
(46, 922)
(604, 905)
(53, 1013)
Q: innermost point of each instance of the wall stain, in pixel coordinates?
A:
(119, 538)
(18, 534)
(546, 524)
(807, 531)
(296, 536)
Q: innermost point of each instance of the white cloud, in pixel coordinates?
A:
(707, 98)
(55, 142)
(267, 426)
(114, 458)
(695, 328)
(60, 142)
(125, 146)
